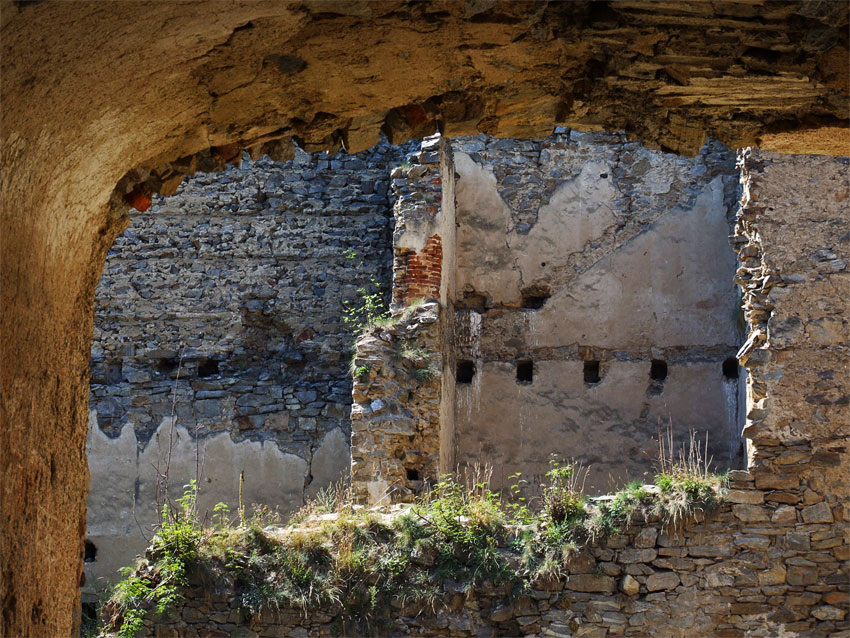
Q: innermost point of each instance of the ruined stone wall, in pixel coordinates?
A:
(399, 396)
(551, 255)
(756, 568)
(224, 306)
(395, 425)
(93, 93)
(773, 560)
(595, 304)
(417, 242)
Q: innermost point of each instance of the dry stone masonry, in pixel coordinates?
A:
(395, 435)
(756, 568)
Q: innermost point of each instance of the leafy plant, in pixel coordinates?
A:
(157, 583)
(361, 371)
(370, 308)
(563, 498)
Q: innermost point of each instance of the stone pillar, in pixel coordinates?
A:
(400, 415)
(396, 406)
(417, 238)
(793, 239)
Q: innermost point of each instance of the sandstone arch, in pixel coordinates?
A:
(96, 93)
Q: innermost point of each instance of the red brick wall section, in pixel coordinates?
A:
(417, 274)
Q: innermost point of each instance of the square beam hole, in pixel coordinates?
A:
(90, 552)
(167, 365)
(524, 371)
(535, 296)
(207, 368)
(731, 369)
(658, 370)
(592, 372)
(465, 371)
(534, 301)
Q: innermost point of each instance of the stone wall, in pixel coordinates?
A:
(771, 561)
(555, 255)
(595, 304)
(417, 242)
(395, 425)
(757, 567)
(401, 403)
(223, 305)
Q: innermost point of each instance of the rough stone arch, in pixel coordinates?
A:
(97, 94)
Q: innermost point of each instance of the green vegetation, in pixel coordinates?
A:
(418, 362)
(157, 582)
(363, 565)
(370, 308)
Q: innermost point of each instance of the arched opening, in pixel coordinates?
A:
(182, 80)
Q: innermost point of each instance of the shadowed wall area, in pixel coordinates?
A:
(97, 94)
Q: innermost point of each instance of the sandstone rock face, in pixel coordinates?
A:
(95, 95)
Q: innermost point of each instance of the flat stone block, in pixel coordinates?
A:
(662, 580)
(752, 497)
(638, 555)
(591, 583)
(819, 513)
(750, 513)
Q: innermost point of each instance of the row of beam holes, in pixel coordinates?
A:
(465, 371)
(114, 372)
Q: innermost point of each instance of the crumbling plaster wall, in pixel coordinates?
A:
(401, 402)
(627, 250)
(223, 305)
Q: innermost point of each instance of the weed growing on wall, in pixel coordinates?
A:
(157, 582)
(370, 307)
(364, 566)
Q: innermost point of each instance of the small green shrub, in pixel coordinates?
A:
(563, 499)
(157, 583)
(369, 309)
